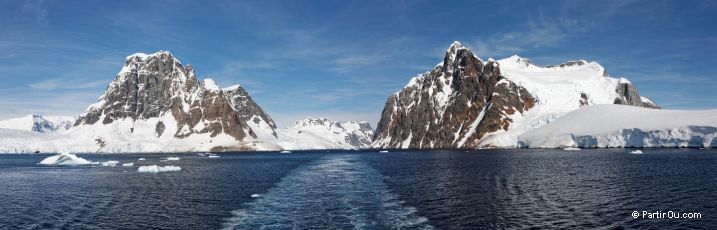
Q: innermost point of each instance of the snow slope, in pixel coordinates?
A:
(626, 126)
(558, 90)
(323, 133)
(37, 123)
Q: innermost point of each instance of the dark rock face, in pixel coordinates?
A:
(247, 110)
(151, 86)
(453, 106)
(628, 95)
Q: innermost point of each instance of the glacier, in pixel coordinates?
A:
(608, 126)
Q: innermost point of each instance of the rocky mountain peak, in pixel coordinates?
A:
(454, 105)
(157, 85)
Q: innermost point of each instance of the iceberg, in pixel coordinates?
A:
(130, 164)
(213, 156)
(141, 159)
(255, 195)
(285, 151)
(571, 149)
(636, 152)
(158, 169)
(64, 159)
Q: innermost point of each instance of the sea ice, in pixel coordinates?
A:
(130, 164)
(158, 169)
(571, 149)
(110, 163)
(64, 159)
(171, 159)
(141, 159)
(285, 151)
(213, 156)
(255, 195)
(383, 151)
(636, 151)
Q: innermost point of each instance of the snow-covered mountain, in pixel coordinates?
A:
(626, 126)
(322, 133)
(37, 123)
(466, 102)
(157, 104)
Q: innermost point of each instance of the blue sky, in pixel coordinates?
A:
(341, 59)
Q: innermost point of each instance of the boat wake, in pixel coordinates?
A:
(334, 192)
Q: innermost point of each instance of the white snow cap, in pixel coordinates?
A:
(210, 84)
(144, 56)
(230, 88)
(456, 44)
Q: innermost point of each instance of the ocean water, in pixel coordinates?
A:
(453, 189)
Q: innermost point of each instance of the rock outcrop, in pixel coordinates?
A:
(452, 106)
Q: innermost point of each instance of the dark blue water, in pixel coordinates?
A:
(365, 190)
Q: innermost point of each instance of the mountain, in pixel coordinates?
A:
(466, 102)
(626, 126)
(322, 133)
(157, 104)
(37, 123)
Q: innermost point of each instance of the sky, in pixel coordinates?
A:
(341, 59)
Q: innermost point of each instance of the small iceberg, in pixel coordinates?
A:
(213, 156)
(571, 149)
(285, 151)
(255, 195)
(158, 169)
(64, 159)
(141, 159)
(171, 159)
(383, 151)
(637, 151)
(109, 163)
(130, 164)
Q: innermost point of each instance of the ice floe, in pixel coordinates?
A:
(130, 164)
(109, 163)
(171, 159)
(636, 151)
(158, 169)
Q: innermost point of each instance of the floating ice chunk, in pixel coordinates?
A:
(636, 151)
(255, 195)
(571, 149)
(64, 159)
(130, 164)
(285, 151)
(171, 159)
(158, 169)
(141, 159)
(109, 163)
(383, 151)
(213, 156)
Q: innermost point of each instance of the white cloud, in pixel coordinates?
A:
(60, 83)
